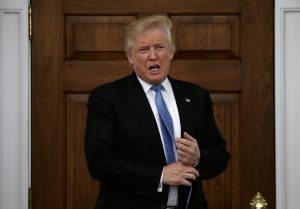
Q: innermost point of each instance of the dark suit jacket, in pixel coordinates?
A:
(124, 150)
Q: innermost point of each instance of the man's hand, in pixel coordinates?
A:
(188, 150)
(179, 174)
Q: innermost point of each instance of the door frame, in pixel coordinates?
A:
(287, 24)
(15, 105)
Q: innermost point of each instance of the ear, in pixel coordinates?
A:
(129, 57)
(171, 55)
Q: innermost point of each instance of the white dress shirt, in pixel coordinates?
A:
(169, 98)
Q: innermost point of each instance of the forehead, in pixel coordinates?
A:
(151, 36)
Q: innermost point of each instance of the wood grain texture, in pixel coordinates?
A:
(81, 189)
(224, 191)
(47, 119)
(151, 7)
(257, 101)
(223, 45)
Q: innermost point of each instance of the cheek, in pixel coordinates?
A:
(167, 57)
(140, 60)
(167, 60)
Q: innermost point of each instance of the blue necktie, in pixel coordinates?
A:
(166, 124)
(167, 129)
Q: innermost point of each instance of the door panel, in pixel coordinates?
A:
(225, 46)
(81, 188)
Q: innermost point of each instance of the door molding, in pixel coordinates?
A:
(14, 105)
(287, 102)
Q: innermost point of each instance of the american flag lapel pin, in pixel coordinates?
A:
(187, 100)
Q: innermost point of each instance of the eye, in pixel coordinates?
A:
(143, 50)
(160, 47)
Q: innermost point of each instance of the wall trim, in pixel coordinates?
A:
(14, 109)
(287, 183)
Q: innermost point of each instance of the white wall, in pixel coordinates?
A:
(287, 99)
(14, 105)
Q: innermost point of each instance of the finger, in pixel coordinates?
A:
(186, 183)
(180, 144)
(190, 176)
(184, 142)
(185, 161)
(183, 154)
(189, 137)
(192, 170)
(184, 151)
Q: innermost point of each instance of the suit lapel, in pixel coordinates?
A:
(137, 100)
(183, 102)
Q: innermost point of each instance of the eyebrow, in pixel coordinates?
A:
(147, 46)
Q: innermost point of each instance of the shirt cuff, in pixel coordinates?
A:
(160, 186)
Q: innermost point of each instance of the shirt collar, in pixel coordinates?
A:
(146, 86)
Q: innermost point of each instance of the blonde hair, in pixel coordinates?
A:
(145, 23)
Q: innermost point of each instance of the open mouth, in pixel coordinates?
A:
(154, 67)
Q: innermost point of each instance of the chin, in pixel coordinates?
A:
(156, 81)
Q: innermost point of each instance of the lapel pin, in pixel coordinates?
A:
(187, 100)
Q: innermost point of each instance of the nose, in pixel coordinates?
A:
(152, 54)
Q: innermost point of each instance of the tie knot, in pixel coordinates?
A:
(157, 87)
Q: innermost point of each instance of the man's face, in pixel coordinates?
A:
(150, 56)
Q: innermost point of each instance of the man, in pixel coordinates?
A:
(151, 139)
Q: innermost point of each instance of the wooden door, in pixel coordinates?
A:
(223, 45)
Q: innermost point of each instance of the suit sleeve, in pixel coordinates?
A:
(214, 156)
(104, 162)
